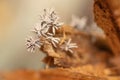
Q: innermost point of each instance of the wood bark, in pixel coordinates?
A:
(106, 14)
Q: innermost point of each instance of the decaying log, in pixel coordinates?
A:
(107, 13)
(49, 74)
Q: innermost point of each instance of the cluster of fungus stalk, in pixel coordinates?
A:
(47, 33)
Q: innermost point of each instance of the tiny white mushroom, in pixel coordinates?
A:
(67, 46)
(51, 19)
(53, 40)
(41, 30)
(32, 44)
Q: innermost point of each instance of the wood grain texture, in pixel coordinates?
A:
(105, 18)
(49, 74)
